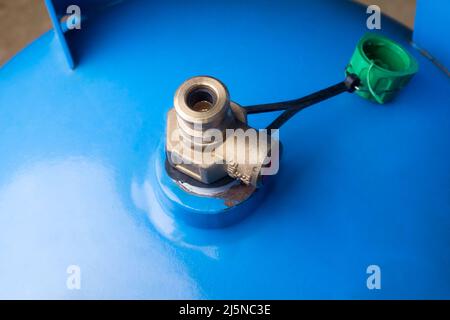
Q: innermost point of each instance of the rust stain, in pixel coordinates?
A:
(236, 194)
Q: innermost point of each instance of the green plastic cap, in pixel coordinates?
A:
(383, 67)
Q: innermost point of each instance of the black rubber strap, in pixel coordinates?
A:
(293, 106)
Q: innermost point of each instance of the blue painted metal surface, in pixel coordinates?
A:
(57, 10)
(431, 29)
(360, 184)
(56, 17)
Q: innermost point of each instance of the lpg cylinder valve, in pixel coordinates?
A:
(208, 137)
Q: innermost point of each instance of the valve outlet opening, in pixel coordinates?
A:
(201, 99)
